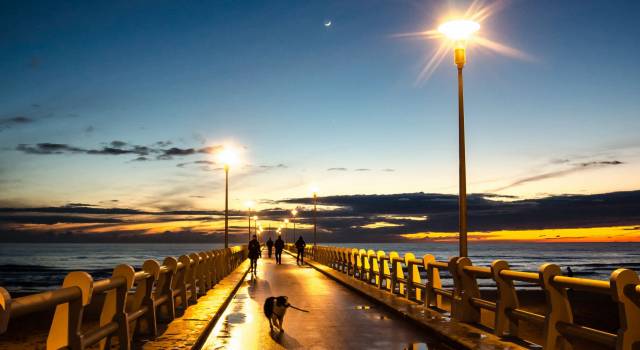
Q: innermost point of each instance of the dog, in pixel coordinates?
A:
(275, 308)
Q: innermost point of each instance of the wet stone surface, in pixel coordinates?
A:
(337, 319)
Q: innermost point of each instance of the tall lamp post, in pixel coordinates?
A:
(227, 157)
(460, 31)
(286, 229)
(294, 212)
(314, 192)
(249, 205)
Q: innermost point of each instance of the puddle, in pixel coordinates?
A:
(236, 318)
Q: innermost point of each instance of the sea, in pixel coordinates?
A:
(29, 268)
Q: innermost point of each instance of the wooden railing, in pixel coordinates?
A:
(133, 301)
(403, 276)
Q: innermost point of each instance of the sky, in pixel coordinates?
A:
(126, 104)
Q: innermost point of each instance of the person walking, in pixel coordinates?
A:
(269, 247)
(254, 254)
(279, 245)
(300, 244)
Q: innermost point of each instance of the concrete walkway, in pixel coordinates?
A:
(338, 318)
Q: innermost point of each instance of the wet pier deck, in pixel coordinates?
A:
(338, 318)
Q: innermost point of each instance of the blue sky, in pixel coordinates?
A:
(301, 98)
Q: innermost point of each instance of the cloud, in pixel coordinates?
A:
(337, 169)
(354, 218)
(559, 173)
(363, 169)
(389, 170)
(116, 148)
(8, 123)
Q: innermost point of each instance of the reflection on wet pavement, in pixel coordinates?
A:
(337, 319)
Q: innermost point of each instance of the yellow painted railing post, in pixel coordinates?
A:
(148, 324)
(381, 271)
(433, 281)
(164, 287)
(67, 320)
(559, 309)
(456, 300)
(113, 309)
(5, 309)
(623, 287)
(469, 290)
(184, 280)
(507, 299)
(394, 271)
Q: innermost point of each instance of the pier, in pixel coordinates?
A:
(355, 299)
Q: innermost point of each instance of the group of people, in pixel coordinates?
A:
(255, 251)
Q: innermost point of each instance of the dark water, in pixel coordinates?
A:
(587, 260)
(29, 267)
(36, 267)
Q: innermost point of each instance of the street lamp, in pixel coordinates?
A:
(314, 192)
(286, 224)
(459, 31)
(249, 205)
(255, 223)
(294, 212)
(227, 157)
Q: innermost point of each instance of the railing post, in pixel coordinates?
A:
(380, 254)
(5, 309)
(558, 308)
(413, 276)
(164, 287)
(67, 320)
(623, 289)
(394, 271)
(456, 300)
(507, 299)
(194, 276)
(469, 312)
(151, 267)
(433, 281)
(184, 280)
(114, 305)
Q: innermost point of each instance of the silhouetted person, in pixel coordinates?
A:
(569, 271)
(269, 246)
(300, 244)
(279, 245)
(254, 254)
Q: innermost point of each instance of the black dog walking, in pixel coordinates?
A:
(300, 244)
(279, 245)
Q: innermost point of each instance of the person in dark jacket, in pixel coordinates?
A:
(279, 245)
(300, 244)
(254, 254)
(269, 247)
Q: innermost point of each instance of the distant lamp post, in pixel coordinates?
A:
(249, 205)
(227, 157)
(286, 224)
(294, 212)
(460, 31)
(255, 223)
(314, 193)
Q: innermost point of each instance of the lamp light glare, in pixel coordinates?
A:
(460, 29)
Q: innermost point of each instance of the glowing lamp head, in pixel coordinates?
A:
(255, 218)
(286, 221)
(228, 157)
(249, 204)
(460, 29)
(314, 190)
(294, 212)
